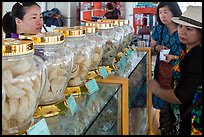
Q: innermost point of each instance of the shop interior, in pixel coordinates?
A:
(105, 89)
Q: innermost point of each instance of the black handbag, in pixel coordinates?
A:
(169, 125)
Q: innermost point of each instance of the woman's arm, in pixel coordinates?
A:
(153, 45)
(156, 48)
(165, 94)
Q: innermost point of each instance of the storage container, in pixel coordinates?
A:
(83, 50)
(23, 80)
(50, 46)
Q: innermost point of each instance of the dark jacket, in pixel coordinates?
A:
(111, 14)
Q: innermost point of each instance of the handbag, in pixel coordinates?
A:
(169, 125)
(163, 70)
(163, 74)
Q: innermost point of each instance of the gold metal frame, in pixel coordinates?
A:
(125, 112)
(149, 93)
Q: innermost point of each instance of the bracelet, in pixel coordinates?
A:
(175, 57)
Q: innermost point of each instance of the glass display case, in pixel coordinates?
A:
(108, 110)
(90, 107)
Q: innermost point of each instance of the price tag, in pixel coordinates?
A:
(123, 57)
(121, 65)
(92, 86)
(129, 53)
(103, 72)
(134, 48)
(72, 104)
(39, 128)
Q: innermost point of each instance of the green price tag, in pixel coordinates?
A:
(72, 104)
(40, 128)
(92, 86)
(103, 72)
(123, 60)
(123, 56)
(134, 48)
(129, 53)
(121, 65)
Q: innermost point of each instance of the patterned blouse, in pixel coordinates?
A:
(187, 82)
(171, 41)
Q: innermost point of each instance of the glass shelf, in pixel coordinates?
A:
(89, 107)
(107, 111)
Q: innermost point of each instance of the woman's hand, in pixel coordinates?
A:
(154, 86)
(160, 47)
(170, 57)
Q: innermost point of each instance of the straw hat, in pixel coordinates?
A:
(191, 17)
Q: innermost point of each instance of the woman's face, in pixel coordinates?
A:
(165, 15)
(32, 21)
(189, 35)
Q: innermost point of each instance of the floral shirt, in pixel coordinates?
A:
(186, 72)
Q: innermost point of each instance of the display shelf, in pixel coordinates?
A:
(106, 112)
(89, 107)
(92, 9)
(144, 19)
(144, 10)
(139, 74)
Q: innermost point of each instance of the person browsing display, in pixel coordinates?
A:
(111, 13)
(164, 37)
(25, 18)
(187, 79)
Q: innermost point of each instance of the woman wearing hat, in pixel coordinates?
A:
(187, 78)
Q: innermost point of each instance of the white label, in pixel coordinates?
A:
(162, 52)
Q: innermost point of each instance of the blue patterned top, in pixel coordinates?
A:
(170, 41)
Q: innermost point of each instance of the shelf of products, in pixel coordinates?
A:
(89, 107)
(144, 19)
(139, 74)
(106, 111)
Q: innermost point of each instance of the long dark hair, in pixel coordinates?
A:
(174, 8)
(18, 11)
